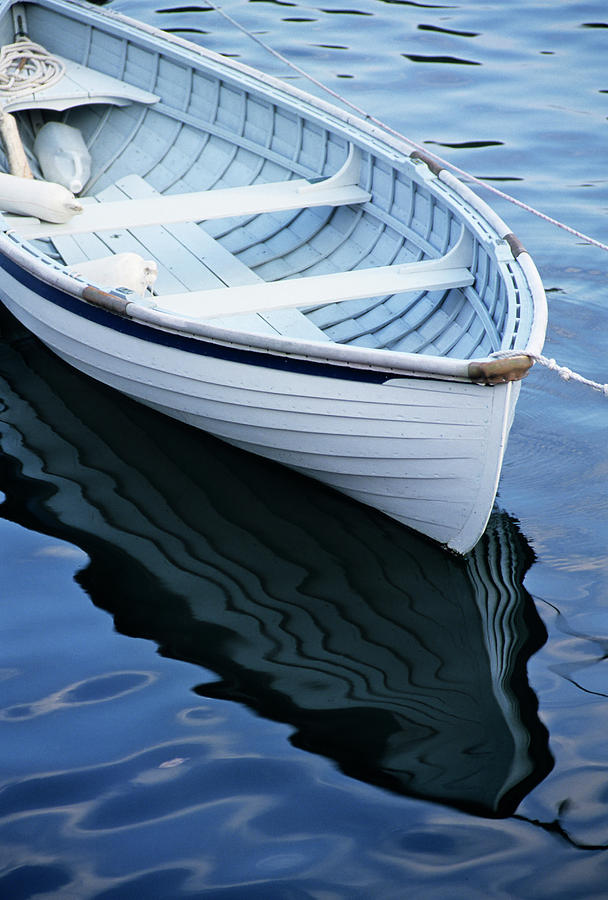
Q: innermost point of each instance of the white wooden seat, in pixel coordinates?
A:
(337, 190)
(449, 271)
(186, 256)
(316, 290)
(201, 279)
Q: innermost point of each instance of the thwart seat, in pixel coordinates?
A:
(220, 285)
(339, 189)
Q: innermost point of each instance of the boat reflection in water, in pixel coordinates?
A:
(404, 665)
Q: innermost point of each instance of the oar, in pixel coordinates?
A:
(13, 146)
(9, 132)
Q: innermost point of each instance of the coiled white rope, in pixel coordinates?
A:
(563, 371)
(26, 66)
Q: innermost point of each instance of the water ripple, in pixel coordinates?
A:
(242, 792)
(98, 689)
(444, 60)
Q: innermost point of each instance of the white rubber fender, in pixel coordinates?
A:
(43, 199)
(126, 270)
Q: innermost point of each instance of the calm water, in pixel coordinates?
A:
(221, 681)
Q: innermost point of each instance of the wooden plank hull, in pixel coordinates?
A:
(372, 395)
(426, 452)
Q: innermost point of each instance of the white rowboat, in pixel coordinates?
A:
(325, 296)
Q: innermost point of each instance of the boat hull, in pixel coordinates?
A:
(339, 333)
(426, 452)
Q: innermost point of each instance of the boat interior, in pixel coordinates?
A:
(226, 189)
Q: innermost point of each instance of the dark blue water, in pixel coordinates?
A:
(221, 681)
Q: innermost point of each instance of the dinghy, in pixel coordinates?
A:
(263, 265)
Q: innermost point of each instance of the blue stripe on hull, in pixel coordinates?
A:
(184, 343)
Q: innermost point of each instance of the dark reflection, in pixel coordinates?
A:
(467, 145)
(184, 9)
(500, 178)
(403, 664)
(419, 5)
(447, 60)
(345, 12)
(179, 31)
(274, 2)
(451, 31)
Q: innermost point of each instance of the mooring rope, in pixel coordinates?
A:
(26, 66)
(466, 176)
(563, 371)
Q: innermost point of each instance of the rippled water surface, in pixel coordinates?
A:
(221, 681)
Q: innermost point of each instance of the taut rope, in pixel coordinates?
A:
(563, 371)
(365, 115)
